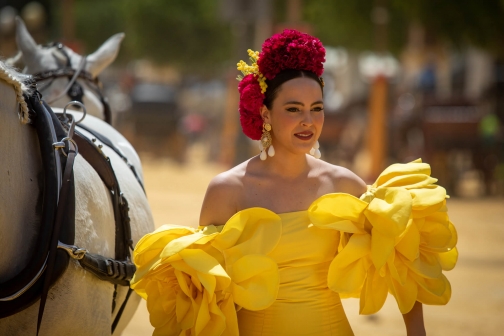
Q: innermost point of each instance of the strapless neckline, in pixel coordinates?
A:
(297, 211)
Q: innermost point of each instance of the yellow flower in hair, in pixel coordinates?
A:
(252, 69)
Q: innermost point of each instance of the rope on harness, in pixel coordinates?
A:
(19, 88)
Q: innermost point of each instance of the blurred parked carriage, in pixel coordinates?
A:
(445, 133)
(153, 121)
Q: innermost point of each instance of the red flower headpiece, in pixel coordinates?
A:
(289, 50)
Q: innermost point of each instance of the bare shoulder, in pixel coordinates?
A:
(345, 180)
(222, 196)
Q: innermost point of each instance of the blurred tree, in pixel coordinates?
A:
(191, 34)
(184, 33)
(348, 23)
(96, 21)
(188, 33)
(460, 21)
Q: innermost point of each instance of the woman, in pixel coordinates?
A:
(284, 234)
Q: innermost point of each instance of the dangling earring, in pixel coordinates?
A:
(265, 142)
(315, 151)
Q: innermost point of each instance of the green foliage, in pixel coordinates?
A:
(459, 21)
(96, 21)
(341, 22)
(348, 23)
(184, 33)
(191, 35)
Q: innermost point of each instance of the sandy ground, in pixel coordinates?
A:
(477, 305)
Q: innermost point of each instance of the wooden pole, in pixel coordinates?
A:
(231, 123)
(377, 129)
(377, 136)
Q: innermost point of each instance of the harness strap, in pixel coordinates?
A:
(111, 145)
(65, 210)
(101, 163)
(118, 272)
(97, 159)
(121, 310)
(108, 269)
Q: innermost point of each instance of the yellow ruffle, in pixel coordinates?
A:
(194, 280)
(396, 238)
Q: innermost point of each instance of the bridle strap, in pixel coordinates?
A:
(63, 72)
(93, 83)
(81, 66)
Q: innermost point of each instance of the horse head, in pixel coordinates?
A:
(55, 65)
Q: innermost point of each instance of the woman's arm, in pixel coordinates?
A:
(414, 321)
(348, 182)
(220, 201)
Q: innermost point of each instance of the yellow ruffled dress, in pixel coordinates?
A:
(283, 274)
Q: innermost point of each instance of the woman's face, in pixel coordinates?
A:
(296, 115)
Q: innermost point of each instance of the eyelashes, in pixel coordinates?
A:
(295, 109)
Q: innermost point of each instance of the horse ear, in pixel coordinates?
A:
(105, 55)
(24, 40)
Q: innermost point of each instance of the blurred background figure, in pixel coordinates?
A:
(404, 80)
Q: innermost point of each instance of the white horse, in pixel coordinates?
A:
(38, 59)
(78, 303)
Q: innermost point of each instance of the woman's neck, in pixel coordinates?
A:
(287, 165)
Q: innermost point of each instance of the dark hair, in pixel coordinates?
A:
(284, 76)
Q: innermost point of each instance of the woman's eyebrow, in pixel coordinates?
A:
(293, 102)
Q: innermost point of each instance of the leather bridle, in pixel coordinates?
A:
(74, 90)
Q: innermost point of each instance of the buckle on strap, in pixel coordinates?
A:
(73, 251)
